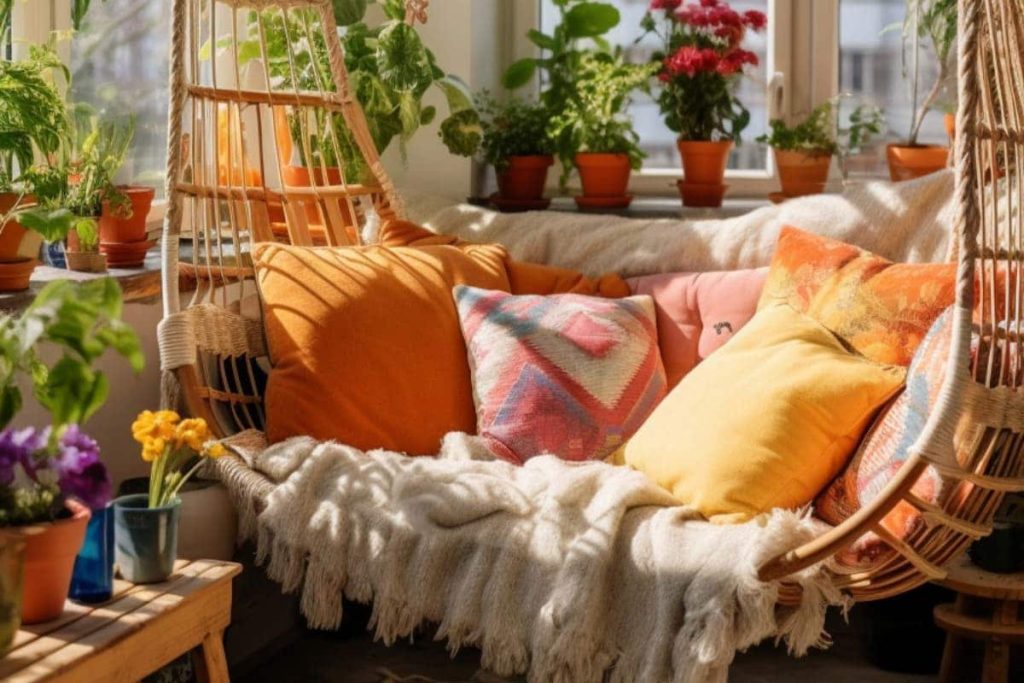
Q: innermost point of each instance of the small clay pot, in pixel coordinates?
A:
(115, 228)
(50, 551)
(16, 275)
(525, 177)
(801, 173)
(603, 175)
(704, 161)
(907, 162)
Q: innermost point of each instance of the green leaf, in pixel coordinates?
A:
(590, 19)
(52, 224)
(348, 12)
(456, 92)
(519, 73)
(10, 404)
(428, 115)
(541, 40)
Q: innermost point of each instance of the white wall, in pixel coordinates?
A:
(129, 394)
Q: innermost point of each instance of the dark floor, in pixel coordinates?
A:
(351, 656)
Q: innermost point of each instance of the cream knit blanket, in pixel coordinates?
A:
(561, 571)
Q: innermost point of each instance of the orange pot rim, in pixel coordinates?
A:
(801, 153)
(917, 145)
(78, 513)
(704, 143)
(531, 160)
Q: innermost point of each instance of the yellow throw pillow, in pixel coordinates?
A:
(765, 422)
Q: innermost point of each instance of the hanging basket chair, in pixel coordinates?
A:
(231, 183)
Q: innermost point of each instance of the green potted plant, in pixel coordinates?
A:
(71, 206)
(391, 72)
(803, 153)
(933, 22)
(33, 124)
(702, 60)
(594, 133)
(50, 477)
(146, 525)
(516, 143)
(864, 123)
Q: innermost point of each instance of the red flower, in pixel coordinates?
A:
(693, 15)
(709, 3)
(724, 16)
(732, 35)
(755, 19)
(667, 5)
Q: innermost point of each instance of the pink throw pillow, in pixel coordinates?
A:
(698, 312)
(566, 374)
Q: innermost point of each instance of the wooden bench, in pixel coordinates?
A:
(139, 630)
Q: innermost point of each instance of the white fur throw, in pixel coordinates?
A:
(559, 570)
(906, 222)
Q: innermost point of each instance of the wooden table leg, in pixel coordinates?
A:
(212, 667)
(951, 651)
(996, 666)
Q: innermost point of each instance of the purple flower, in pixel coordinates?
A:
(18, 447)
(79, 470)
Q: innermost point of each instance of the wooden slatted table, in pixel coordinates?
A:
(141, 629)
(988, 609)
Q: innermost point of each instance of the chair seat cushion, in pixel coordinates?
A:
(767, 421)
(882, 309)
(698, 312)
(565, 374)
(365, 342)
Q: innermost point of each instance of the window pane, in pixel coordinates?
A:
(870, 68)
(655, 138)
(119, 65)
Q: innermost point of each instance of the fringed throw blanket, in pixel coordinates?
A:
(563, 571)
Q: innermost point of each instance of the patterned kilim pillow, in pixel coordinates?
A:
(887, 446)
(565, 374)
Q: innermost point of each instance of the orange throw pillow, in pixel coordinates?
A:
(526, 278)
(365, 342)
(880, 308)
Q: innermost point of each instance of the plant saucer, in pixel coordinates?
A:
(586, 203)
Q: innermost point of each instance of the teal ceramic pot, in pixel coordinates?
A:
(145, 540)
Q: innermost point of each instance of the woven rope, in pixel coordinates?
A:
(210, 329)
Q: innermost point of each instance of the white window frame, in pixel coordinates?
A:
(802, 71)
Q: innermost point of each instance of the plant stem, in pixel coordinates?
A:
(174, 491)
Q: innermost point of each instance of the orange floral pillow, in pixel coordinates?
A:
(880, 308)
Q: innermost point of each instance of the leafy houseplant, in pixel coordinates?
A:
(803, 153)
(593, 131)
(516, 142)
(50, 477)
(33, 124)
(701, 62)
(390, 72)
(935, 23)
(146, 526)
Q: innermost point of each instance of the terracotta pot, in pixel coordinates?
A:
(19, 248)
(801, 173)
(701, 195)
(909, 162)
(12, 575)
(525, 177)
(115, 229)
(50, 551)
(950, 122)
(704, 161)
(603, 175)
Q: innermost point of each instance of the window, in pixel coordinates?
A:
(656, 139)
(871, 68)
(119, 64)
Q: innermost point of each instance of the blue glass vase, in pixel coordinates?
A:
(93, 578)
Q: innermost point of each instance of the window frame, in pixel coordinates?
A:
(811, 28)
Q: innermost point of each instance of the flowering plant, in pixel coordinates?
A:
(170, 444)
(701, 61)
(40, 468)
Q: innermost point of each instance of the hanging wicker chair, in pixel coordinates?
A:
(227, 190)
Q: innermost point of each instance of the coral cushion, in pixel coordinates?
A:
(525, 278)
(698, 312)
(882, 309)
(565, 374)
(365, 342)
(887, 446)
(765, 422)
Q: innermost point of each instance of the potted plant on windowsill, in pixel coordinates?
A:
(935, 22)
(33, 123)
(516, 142)
(594, 133)
(803, 153)
(701, 62)
(146, 525)
(122, 226)
(51, 477)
